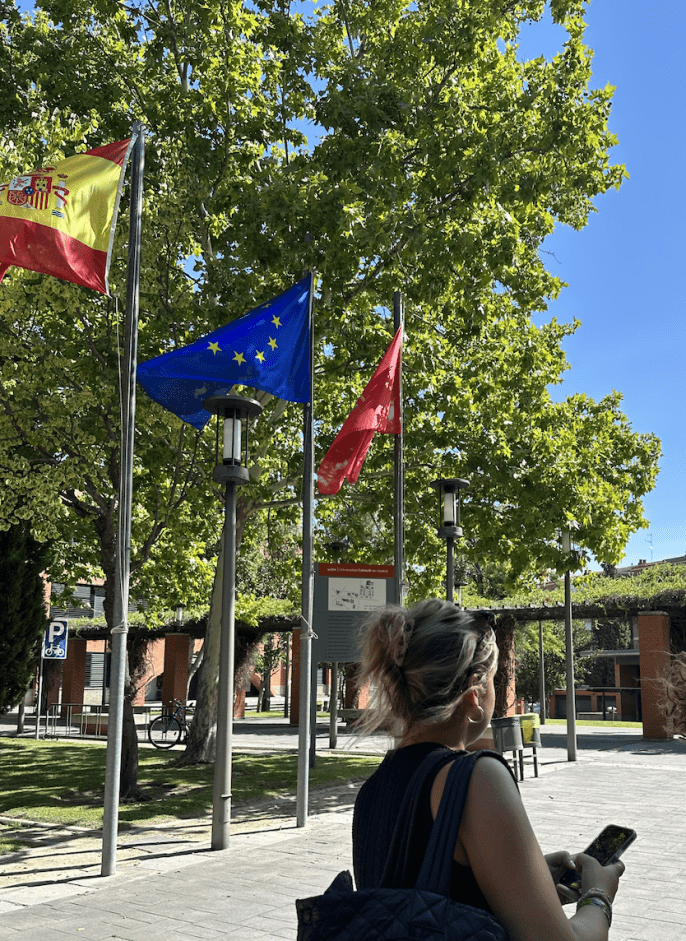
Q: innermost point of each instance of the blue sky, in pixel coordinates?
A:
(625, 270)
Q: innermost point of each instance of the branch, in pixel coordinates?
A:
(89, 338)
(181, 67)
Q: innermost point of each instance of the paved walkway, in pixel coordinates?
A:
(170, 887)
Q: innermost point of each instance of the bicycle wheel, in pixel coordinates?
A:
(164, 732)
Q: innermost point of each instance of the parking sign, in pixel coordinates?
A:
(55, 640)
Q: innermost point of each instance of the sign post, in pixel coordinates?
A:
(54, 648)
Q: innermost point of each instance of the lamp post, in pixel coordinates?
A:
(566, 539)
(233, 472)
(449, 496)
(179, 614)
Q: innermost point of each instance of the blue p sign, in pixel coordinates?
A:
(55, 641)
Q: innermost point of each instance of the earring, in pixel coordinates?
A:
(480, 719)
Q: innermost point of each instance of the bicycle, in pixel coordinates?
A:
(168, 730)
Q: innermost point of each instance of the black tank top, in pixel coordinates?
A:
(376, 813)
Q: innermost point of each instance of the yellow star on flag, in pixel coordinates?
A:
(239, 358)
(259, 356)
(272, 343)
(276, 321)
(214, 347)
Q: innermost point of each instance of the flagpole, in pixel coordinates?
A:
(302, 790)
(399, 476)
(121, 579)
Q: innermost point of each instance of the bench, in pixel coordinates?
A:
(610, 715)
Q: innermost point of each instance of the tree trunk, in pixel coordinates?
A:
(136, 664)
(20, 717)
(268, 658)
(129, 790)
(266, 693)
(201, 741)
(504, 635)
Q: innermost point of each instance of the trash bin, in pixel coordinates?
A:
(507, 734)
(531, 729)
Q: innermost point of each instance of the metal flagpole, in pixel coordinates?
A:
(307, 591)
(399, 476)
(121, 587)
(541, 673)
(569, 644)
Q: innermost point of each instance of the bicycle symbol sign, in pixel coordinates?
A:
(55, 641)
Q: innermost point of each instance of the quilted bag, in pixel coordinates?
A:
(423, 913)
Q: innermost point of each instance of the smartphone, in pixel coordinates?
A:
(607, 847)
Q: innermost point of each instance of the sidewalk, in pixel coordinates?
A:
(169, 885)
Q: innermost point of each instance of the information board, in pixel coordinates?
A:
(343, 595)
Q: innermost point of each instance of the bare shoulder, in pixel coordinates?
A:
(489, 777)
(493, 799)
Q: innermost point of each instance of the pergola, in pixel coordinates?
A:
(661, 622)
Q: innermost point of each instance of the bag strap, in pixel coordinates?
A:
(397, 857)
(436, 872)
(437, 867)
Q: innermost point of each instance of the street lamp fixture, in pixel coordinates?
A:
(449, 493)
(179, 614)
(232, 411)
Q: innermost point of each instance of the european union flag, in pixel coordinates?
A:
(268, 349)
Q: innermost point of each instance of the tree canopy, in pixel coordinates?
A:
(23, 616)
(437, 163)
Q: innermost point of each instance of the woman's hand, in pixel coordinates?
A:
(595, 876)
(558, 864)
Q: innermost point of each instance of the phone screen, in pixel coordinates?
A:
(607, 847)
(611, 842)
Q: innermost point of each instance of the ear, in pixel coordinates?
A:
(472, 696)
(475, 683)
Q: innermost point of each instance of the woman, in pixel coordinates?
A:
(431, 668)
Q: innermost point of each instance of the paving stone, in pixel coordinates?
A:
(169, 887)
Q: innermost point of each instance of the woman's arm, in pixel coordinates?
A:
(508, 864)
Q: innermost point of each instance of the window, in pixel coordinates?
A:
(95, 669)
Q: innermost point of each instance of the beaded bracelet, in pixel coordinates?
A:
(598, 894)
(603, 903)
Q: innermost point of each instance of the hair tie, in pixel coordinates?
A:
(404, 641)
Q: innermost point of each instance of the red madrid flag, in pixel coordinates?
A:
(377, 409)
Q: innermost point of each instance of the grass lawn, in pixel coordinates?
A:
(62, 783)
(598, 724)
(277, 714)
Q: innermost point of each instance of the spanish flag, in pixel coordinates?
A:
(60, 219)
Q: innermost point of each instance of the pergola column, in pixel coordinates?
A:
(655, 657)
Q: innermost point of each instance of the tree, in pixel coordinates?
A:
(606, 635)
(554, 658)
(267, 661)
(443, 162)
(23, 616)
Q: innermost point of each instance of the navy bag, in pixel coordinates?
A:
(423, 913)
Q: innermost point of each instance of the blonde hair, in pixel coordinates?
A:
(421, 662)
